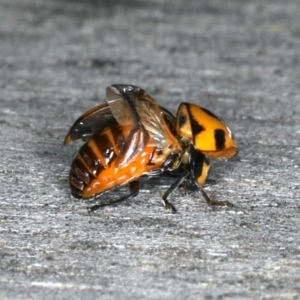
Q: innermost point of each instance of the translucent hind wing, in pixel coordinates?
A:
(132, 106)
(128, 105)
(90, 122)
(122, 100)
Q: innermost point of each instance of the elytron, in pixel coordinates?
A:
(131, 136)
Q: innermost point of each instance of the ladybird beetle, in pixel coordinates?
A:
(131, 136)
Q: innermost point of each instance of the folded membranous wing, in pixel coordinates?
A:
(128, 105)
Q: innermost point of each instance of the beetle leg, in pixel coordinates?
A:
(200, 167)
(209, 201)
(182, 180)
(171, 189)
(134, 188)
(168, 205)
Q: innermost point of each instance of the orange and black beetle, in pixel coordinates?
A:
(131, 136)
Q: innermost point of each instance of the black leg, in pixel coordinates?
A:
(185, 179)
(210, 201)
(173, 187)
(134, 190)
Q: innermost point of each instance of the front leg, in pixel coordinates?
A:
(171, 189)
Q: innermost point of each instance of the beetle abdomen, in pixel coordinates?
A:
(94, 156)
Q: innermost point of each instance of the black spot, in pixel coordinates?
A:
(211, 114)
(220, 139)
(196, 127)
(182, 120)
(199, 159)
(198, 162)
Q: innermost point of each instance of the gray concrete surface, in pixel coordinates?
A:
(238, 58)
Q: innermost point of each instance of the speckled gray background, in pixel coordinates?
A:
(240, 59)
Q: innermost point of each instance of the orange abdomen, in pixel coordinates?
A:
(94, 169)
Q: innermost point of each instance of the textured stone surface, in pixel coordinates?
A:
(240, 59)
